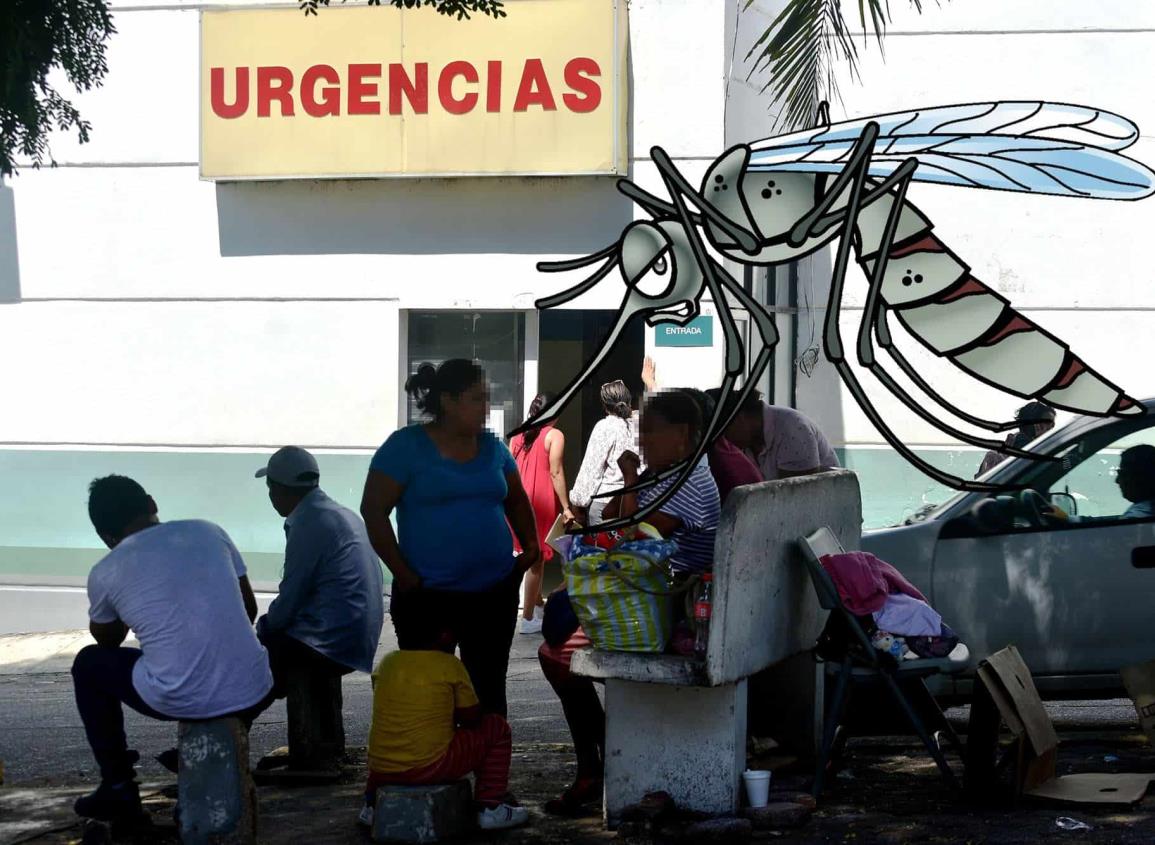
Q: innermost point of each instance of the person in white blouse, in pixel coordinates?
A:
(614, 434)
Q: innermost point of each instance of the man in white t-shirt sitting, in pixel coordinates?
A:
(783, 442)
(181, 588)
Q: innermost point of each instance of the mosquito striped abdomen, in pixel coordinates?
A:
(933, 294)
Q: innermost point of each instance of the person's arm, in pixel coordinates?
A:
(467, 717)
(555, 451)
(380, 497)
(247, 596)
(649, 374)
(519, 512)
(302, 555)
(627, 503)
(466, 707)
(104, 621)
(108, 634)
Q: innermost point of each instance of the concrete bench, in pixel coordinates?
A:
(316, 728)
(423, 813)
(217, 801)
(678, 725)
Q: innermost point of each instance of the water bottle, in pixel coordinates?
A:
(703, 606)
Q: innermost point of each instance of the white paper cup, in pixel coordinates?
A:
(757, 787)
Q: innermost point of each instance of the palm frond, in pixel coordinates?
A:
(802, 47)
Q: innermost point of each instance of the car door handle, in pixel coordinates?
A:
(1143, 557)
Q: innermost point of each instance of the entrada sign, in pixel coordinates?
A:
(697, 332)
(357, 92)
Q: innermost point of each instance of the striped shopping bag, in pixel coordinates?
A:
(623, 596)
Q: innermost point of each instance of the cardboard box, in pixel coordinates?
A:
(1006, 694)
(1140, 683)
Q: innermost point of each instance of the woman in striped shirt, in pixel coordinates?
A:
(671, 426)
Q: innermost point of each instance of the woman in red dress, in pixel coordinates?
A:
(539, 453)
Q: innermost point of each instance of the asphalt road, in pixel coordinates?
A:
(42, 740)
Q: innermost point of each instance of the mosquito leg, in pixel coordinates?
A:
(725, 411)
(832, 333)
(886, 342)
(735, 355)
(654, 205)
(577, 290)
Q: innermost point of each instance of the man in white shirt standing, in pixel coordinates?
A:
(181, 588)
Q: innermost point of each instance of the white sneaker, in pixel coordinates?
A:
(502, 817)
(366, 817)
(539, 612)
(531, 626)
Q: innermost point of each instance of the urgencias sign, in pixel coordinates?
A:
(361, 92)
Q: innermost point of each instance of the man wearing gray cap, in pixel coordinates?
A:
(329, 607)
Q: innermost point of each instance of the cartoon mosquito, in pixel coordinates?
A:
(779, 199)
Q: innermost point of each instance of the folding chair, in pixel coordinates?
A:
(870, 667)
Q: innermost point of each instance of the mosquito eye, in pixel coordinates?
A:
(660, 265)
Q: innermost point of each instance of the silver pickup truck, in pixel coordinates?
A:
(1077, 596)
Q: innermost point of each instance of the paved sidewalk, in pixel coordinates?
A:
(892, 793)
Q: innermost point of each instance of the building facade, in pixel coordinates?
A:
(178, 329)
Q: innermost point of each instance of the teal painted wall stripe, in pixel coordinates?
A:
(45, 534)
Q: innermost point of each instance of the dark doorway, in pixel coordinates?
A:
(568, 339)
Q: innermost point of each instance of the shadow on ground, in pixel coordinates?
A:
(888, 791)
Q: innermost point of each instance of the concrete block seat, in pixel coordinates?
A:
(419, 814)
(217, 801)
(679, 725)
(316, 752)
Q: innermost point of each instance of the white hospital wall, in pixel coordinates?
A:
(159, 309)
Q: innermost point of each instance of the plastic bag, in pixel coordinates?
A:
(621, 590)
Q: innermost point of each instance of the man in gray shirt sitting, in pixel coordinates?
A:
(329, 608)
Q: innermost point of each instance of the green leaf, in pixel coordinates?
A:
(800, 50)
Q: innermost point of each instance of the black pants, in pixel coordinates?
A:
(102, 681)
(288, 655)
(482, 625)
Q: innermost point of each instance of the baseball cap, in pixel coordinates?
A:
(291, 466)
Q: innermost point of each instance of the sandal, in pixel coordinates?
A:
(574, 800)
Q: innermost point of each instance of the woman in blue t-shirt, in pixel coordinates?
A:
(454, 485)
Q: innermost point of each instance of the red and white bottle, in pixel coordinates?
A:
(703, 609)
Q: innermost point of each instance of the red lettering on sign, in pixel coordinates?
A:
(588, 93)
(534, 89)
(359, 89)
(415, 91)
(240, 104)
(445, 87)
(330, 102)
(493, 87)
(274, 83)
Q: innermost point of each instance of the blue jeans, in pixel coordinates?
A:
(102, 681)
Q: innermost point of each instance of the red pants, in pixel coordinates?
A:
(580, 703)
(485, 751)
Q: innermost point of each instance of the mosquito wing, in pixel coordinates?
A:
(1042, 160)
(1089, 127)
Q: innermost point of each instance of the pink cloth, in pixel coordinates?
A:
(731, 467)
(864, 581)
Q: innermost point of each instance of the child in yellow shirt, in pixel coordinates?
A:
(427, 728)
